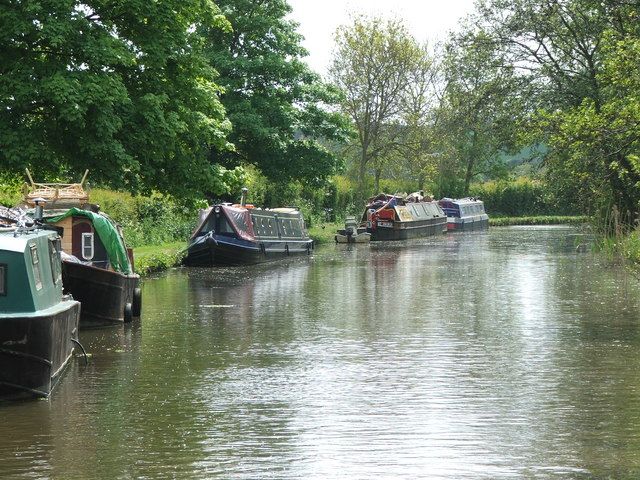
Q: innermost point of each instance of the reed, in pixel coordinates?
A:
(539, 220)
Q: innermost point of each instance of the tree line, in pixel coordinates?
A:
(557, 79)
(172, 96)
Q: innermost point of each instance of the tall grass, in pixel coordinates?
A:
(152, 220)
(539, 220)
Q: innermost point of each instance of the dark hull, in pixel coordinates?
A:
(35, 350)
(479, 225)
(209, 251)
(104, 294)
(408, 230)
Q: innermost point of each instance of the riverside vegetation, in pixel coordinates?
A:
(158, 226)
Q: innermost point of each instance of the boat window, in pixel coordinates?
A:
(87, 246)
(284, 227)
(239, 219)
(54, 257)
(296, 227)
(265, 226)
(209, 225)
(3, 279)
(35, 261)
(257, 225)
(225, 227)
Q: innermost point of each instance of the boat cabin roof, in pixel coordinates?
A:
(462, 201)
(30, 270)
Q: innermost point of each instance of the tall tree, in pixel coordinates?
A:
(564, 46)
(371, 65)
(420, 119)
(282, 113)
(119, 87)
(481, 105)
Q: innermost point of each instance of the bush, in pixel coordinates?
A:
(11, 193)
(520, 197)
(152, 220)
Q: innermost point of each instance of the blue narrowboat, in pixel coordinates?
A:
(241, 235)
(38, 324)
(464, 213)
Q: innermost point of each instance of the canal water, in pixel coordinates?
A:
(503, 354)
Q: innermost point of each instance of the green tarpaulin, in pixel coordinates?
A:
(107, 233)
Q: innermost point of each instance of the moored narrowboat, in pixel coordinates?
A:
(241, 234)
(97, 267)
(394, 217)
(38, 324)
(464, 213)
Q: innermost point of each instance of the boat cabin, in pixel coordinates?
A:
(30, 270)
(252, 224)
(464, 213)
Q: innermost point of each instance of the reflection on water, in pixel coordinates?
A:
(500, 354)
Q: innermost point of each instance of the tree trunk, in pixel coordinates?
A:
(362, 184)
(376, 184)
(468, 176)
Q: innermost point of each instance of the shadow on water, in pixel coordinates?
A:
(499, 354)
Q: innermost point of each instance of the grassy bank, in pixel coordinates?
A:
(156, 258)
(538, 220)
(324, 233)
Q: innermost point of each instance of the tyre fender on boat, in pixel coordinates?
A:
(137, 302)
(128, 313)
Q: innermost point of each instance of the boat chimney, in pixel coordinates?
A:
(39, 211)
(243, 199)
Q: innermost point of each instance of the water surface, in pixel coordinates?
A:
(501, 354)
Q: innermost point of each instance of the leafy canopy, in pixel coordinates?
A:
(282, 113)
(120, 87)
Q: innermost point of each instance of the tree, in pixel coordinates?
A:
(282, 114)
(566, 48)
(483, 99)
(371, 65)
(420, 119)
(119, 87)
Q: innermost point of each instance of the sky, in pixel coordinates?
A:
(427, 20)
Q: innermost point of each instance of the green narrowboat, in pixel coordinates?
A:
(38, 324)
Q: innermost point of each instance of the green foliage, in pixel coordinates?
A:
(479, 113)
(375, 64)
(519, 197)
(280, 109)
(10, 189)
(151, 220)
(161, 258)
(325, 233)
(121, 88)
(581, 57)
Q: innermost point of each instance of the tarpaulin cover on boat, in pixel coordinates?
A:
(107, 233)
(240, 221)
